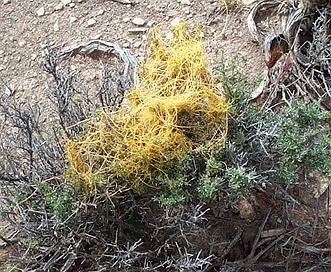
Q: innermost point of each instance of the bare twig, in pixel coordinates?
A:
(258, 235)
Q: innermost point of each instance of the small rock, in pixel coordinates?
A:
(248, 2)
(6, 1)
(72, 5)
(136, 44)
(126, 19)
(21, 43)
(41, 11)
(101, 12)
(58, 7)
(97, 37)
(33, 56)
(80, 1)
(185, 2)
(72, 19)
(91, 22)
(150, 23)
(56, 27)
(137, 30)
(138, 21)
(126, 45)
(66, 2)
(2, 52)
(9, 91)
(246, 210)
(175, 22)
(172, 13)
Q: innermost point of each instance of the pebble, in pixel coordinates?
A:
(6, 1)
(151, 23)
(56, 27)
(175, 22)
(136, 44)
(66, 2)
(137, 30)
(126, 45)
(185, 2)
(72, 19)
(172, 13)
(58, 6)
(41, 11)
(101, 12)
(248, 2)
(138, 21)
(97, 37)
(8, 91)
(126, 19)
(21, 43)
(91, 22)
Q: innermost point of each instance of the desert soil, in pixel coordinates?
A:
(27, 27)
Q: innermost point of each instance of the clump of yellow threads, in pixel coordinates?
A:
(175, 108)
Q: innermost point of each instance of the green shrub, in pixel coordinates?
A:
(59, 200)
(300, 138)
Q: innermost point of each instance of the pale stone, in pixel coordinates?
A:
(150, 23)
(126, 19)
(21, 43)
(185, 2)
(58, 6)
(126, 45)
(91, 22)
(248, 2)
(172, 13)
(66, 2)
(136, 44)
(97, 37)
(137, 30)
(6, 1)
(56, 27)
(101, 12)
(73, 67)
(41, 11)
(175, 22)
(138, 21)
(72, 19)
